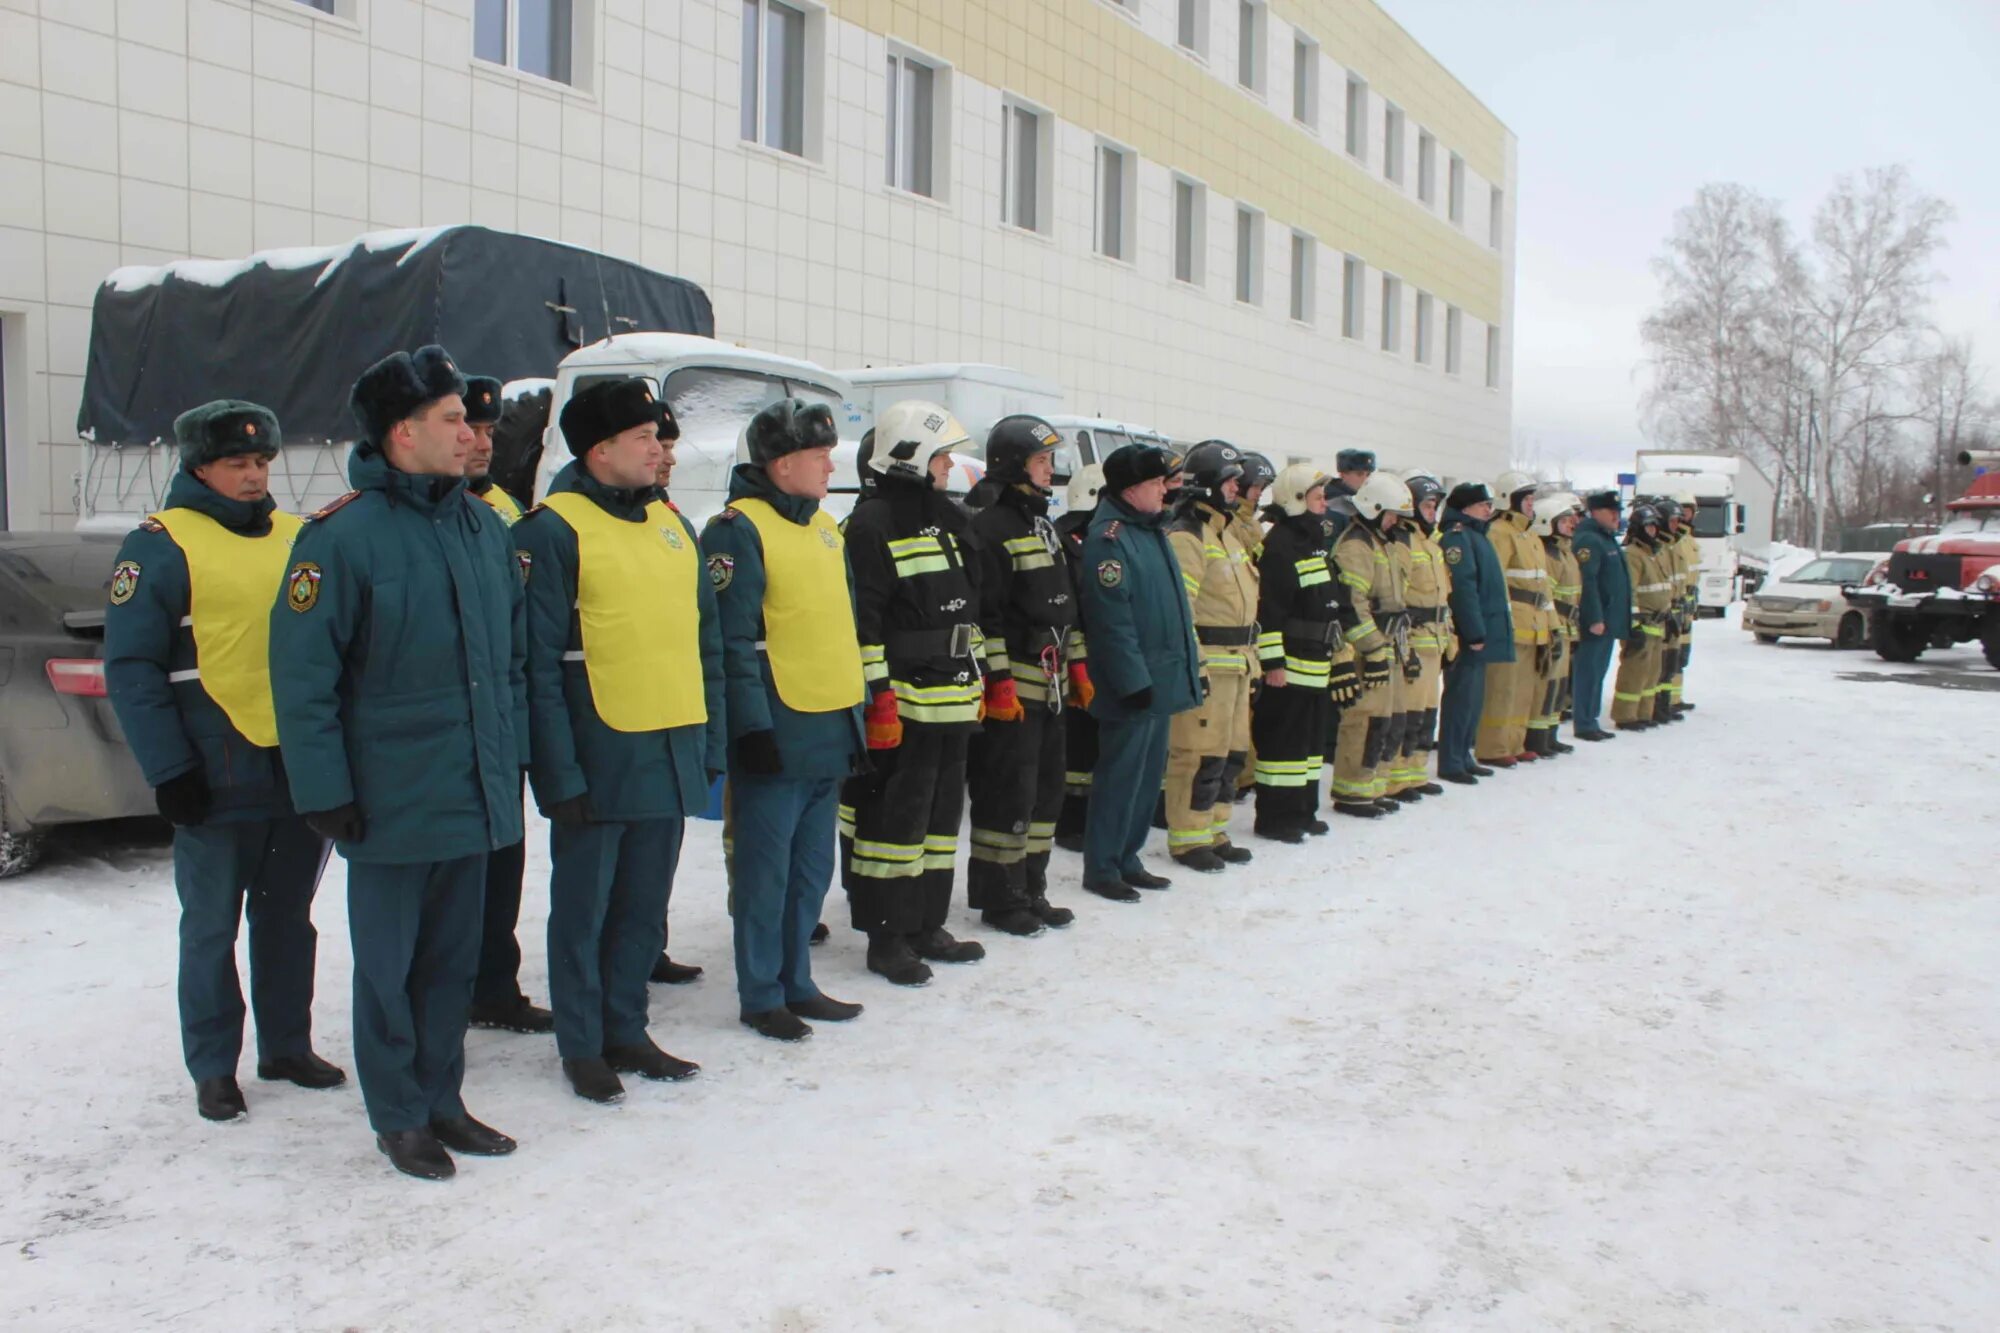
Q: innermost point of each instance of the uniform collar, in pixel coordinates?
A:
(748, 481)
(621, 502)
(251, 517)
(1112, 507)
(369, 470)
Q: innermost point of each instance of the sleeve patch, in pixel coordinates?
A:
(1110, 573)
(1453, 555)
(526, 561)
(302, 586)
(1583, 555)
(124, 581)
(721, 570)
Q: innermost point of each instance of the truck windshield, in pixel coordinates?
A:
(1961, 525)
(713, 405)
(1711, 518)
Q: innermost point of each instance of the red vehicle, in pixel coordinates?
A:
(1935, 591)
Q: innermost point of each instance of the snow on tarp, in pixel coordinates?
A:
(292, 328)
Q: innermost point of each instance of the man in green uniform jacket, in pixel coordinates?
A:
(194, 700)
(625, 712)
(397, 648)
(1604, 610)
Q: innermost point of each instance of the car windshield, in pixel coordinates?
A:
(1711, 518)
(1963, 525)
(1831, 571)
(62, 573)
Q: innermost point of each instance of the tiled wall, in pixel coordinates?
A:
(141, 131)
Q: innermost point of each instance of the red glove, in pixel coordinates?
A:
(885, 729)
(1003, 704)
(1081, 691)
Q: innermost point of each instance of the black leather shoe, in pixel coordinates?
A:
(1070, 842)
(1462, 779)
(647, 1060)
(1050, 914)
(518, 1016)
(417, 1152)
(1015, 921)
(1594, 734)
(777, 1024)
(938, 945)
(1480, 771)
(1144, 879)
(820, 932)
(1559, 747)
(593, 1080)
(1430, 789)
(824, 1009)
(1231, 854)
(1317, 827)
(1291, 833)
(466, 1135)
(1358, 809)
(1203, 860)
(308, 1071)
(1634, 726)
(890, 957)
(669, 973)
(1408, 796)
(1389, 806)
(1117, 890)
(219, 1099)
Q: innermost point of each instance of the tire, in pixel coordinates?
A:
(1851, 633)
(21, 852)
(1897, 640)
(1990, 642)
(1767, 638)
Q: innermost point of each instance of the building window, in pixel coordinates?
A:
(774, 75)
(1353, 273)
(1496, 216)
(1117, 176)
(1455, 191)
(1190, 230)
(1423, 348)
(1357, 118)
(534, 36)
(1305, 256)
(1305, 81)
(1392, 314)
(1452, 339)
(916, 107)
(1192, 32)
(323, 6)
(1392, 144)
(1492, 357)
(1024, 166)
(1250, 45)
(1427, 161)
(1249, 256)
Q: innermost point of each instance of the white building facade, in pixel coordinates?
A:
(1280, 222)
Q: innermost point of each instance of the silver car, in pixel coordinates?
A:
(1806, 603)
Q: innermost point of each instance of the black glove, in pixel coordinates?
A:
(1343, 682)
(1544, 658)
(340, 824)
(875, 771)
(1375, 670)
(1207, 688)
(1141, 699)
(756, 753)
(572, 810)
(1413, 668)
(1635, 640)
(183, 800)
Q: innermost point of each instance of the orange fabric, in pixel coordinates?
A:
(884, 728)
(1003, 703)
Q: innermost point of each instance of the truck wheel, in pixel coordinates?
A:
(19, 852)
(1852, 632)
(1897, 640)
(1991, 642)
(1767, 638)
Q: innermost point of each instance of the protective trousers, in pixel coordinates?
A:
(265, 870)
(1593, 663)
(899, 833)
(1638, 677)
(1546, 714)
(608, 889)
(415, 932)
(1125, 784)
(499, 980)
(1288, 726)
(1458, 720)
(1666, 690)
(1512, 689)
(1369, 728)
(1014, 776)
(780, 864)
(1206, 749)
(1079, 757)
(1410, 766)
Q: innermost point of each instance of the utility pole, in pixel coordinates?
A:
(1812, 473)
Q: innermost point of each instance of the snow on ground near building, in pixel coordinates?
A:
(1692, 1030)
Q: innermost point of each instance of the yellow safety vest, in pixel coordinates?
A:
(637, 601)
(809, 634)
(503, 504)
(233, 579)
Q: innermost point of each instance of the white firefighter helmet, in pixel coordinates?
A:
(1511, 483)
(1550, 507)
(1383, 491)
(1685, 499)
(910, 434)
(1084, 486)
(1289, 491)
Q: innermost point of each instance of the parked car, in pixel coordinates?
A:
(63, 759)
(1807, 603)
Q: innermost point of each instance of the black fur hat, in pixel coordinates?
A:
(399, 386)
(787, 426)
(224, 428)
(1130, 464)
(484, 400)
(1468, 493)
(604, 410)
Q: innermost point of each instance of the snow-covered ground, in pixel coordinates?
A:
(1692, 1030)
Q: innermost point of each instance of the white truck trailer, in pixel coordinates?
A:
(1732, 518)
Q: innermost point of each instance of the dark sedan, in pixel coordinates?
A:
(63, 759)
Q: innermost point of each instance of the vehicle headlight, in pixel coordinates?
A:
(1825, 606)
(1988, 583)
(1877, 574)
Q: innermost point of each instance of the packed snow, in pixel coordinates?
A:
(1691, 1030)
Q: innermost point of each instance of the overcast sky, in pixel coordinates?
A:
(1623, 108)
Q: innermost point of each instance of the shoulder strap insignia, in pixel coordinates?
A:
(533, 510)
(1111, 528)
(329, 509)
(151, 524)
(727, 514)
